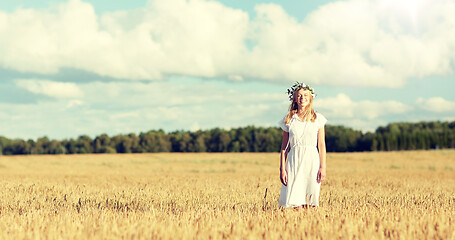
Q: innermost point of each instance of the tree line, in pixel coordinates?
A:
(394, 136)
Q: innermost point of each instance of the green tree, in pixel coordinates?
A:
(84, 144)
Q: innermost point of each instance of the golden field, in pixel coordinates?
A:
(398, 195)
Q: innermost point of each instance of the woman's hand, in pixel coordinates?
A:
(283, 156)
(321, 175)
(284, 177)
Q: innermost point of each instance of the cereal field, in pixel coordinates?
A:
(399, 195)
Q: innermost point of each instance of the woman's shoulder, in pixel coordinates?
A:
(319, 115)
(282, 123)
(320, 118)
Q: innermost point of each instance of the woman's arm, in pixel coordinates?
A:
(284, 145)
(322, 155)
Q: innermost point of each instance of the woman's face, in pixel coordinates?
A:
(303, 98)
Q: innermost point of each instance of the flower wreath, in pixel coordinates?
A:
(297, 87)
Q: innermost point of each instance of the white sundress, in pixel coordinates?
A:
(302, 163)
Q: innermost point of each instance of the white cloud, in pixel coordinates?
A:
(449, 119)
(436, 104)
(342, 107)
(125, 115)
(353, 42)
(170, 94)
(74, 103)
(50, 88)
(166, 37)
(195, 127)
(236, 78)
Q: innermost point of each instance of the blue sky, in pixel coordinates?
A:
(76, 67)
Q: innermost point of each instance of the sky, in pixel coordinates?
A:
(71, 68)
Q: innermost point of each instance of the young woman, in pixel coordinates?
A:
(304, 168)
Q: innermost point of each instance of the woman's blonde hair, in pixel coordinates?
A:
(308, 111)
